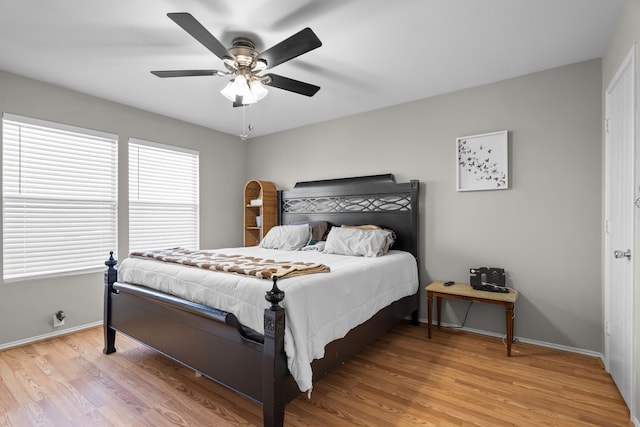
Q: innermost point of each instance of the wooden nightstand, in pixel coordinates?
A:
(466, 292)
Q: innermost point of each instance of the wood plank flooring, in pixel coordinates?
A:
(403, 379)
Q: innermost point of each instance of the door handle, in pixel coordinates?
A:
(622, 254)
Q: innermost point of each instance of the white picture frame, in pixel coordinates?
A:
(482, 162)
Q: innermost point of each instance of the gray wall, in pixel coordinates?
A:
(545, 230)
(626, 37)
(27, 307)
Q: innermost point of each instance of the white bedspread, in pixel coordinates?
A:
(320, 307)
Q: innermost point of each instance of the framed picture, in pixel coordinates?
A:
(483, 162)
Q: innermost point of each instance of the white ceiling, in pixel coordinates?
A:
(375, 53)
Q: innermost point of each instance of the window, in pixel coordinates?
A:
(163, 196)
(59, 198)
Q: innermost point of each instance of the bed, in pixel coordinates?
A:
(251, 359)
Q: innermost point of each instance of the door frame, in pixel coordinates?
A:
(628, 63)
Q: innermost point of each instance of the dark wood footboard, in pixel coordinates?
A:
(209, 341)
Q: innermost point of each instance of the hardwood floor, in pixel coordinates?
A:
(457, 378)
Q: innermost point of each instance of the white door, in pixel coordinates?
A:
(619, 226)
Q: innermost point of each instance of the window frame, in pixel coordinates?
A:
(93, 203)
(135, 187)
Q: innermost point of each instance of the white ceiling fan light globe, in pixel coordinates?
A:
(229, 91)
(249, 99)
(258, 90)
(241, 86)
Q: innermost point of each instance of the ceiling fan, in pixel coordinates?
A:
(245, 65)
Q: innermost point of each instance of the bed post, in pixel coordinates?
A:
(274, 362)
(110, 277)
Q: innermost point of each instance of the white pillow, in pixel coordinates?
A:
(287, 237)
(357, 242)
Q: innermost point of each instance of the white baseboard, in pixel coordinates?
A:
(528, 341)
(49, 335)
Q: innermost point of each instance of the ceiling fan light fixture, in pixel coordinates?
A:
(250, 92)
(236, 87)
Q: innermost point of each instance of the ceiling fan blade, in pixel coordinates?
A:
(292, 85)
(184, 73)
(200, 33)
(299, 43)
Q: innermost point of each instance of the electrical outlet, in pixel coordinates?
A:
(58, 318)
(57, 322)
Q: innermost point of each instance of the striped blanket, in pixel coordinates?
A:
(238, 264)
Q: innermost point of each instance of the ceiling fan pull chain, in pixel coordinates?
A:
(243, 134)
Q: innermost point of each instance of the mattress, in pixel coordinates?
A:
(320, 308)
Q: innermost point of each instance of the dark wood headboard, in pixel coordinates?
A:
(375, 199)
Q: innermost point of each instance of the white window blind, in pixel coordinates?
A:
(59, 198)
(163, 196)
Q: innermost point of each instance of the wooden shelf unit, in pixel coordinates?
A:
(268, 210)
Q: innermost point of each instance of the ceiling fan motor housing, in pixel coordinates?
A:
(244, 51)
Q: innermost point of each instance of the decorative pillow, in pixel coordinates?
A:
(287, 237)
(319, 229)
(358, 242)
